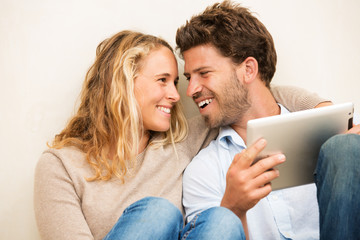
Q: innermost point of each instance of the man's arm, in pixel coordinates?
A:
(209, 182)
(247, 183)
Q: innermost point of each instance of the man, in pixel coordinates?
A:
(230, 60)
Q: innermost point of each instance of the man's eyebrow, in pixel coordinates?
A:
(196, 70)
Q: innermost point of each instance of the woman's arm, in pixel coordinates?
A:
(297, 99)
(56, 203)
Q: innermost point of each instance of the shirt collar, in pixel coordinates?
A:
(228, 134)
(283, 110)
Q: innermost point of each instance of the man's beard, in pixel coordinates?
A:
(233, 104)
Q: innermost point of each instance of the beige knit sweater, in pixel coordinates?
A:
(69, 207)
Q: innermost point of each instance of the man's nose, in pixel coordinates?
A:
(193, 87)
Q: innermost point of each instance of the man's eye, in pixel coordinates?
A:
(162, 79)
(203, 73)
(176, 82)
(187, 78)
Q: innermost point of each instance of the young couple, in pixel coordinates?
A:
(115, 171)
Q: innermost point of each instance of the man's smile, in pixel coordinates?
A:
(204, 103)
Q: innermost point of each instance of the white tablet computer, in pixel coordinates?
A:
(299, 136)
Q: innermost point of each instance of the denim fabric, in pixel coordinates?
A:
(215, 223)
(338, 181)
(156, 218)
(148, 218)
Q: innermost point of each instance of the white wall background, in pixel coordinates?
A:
(46, 47)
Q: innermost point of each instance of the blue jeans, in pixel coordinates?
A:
(214, 223)
(337, 178)
(157, 218)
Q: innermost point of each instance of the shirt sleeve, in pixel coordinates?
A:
(57, 205)
(295, 98)
(203, 183)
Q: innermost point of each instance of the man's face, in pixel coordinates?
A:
(214, 85)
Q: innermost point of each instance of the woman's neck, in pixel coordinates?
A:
(144, 141)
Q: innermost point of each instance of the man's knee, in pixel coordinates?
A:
(339, 159)
(342, 149)
(223, 214)
(342, 141)
(227, 223)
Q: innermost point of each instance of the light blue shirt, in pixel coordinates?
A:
(284, 214)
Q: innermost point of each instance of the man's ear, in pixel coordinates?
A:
(250, 69)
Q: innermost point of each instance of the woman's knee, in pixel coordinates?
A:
(157, 207)
(148, 218)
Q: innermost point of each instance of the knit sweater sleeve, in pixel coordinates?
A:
(56, 202)
(295, 98)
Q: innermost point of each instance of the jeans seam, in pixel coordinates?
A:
(192, 226)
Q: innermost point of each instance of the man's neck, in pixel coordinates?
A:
(263, 104)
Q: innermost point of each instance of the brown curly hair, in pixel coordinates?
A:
(235, 32)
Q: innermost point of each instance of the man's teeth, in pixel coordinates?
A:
(163, 109)
(204, 103)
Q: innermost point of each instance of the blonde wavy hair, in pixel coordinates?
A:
(108, 123)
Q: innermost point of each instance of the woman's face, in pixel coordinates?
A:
(155, 89)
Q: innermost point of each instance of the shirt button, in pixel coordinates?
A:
(287, 235)
(275, 197)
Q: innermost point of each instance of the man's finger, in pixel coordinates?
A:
(247, 156)
(266, 164)
(265, 178)
(354, 130)
(262, 191)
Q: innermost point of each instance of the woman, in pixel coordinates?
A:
(123, 146)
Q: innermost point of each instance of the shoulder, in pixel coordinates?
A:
(216, 157)
(65, 156)
(59, 163)
(205, 161)
(199, 136)
(199, 133)
(64, 153)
